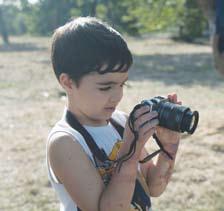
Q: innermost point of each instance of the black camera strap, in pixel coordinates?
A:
(140, 195)
(133, 146)
(96, 151)
(100, 153)
(75, 124)
(149, 157)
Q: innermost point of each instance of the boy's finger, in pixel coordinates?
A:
(172, 97)
(175, 98)
(148, 126)
(149, 133)
(139, 112)
(145, 118)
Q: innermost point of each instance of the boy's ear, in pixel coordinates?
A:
(66, 82)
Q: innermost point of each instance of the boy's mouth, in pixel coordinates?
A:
(110, 108)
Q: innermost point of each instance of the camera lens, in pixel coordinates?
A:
(173, 116)
(177, 117)
(190, 121)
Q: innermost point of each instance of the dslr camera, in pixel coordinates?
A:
(173, 116)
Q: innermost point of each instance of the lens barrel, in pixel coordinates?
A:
(190, 121)
(174, 116)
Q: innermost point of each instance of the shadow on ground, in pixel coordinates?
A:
(180, 69)
(19, 47)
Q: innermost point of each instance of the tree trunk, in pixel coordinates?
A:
(93, 8)
(85, 8)
(208, 7)
(3, 30)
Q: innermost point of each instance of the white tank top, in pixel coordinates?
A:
(104, 136)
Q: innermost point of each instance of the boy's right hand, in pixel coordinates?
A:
(145, 124)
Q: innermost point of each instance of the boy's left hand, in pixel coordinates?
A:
(166, 136)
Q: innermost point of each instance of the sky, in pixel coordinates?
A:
(30, 1)
(33, 1)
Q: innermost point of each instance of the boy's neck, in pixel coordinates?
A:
(84, 119)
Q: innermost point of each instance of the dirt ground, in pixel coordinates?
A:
(32, 101)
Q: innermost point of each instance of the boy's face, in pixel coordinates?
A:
(97, 96)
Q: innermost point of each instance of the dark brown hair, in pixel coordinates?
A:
(85, 45)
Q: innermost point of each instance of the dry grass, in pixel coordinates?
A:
(31, 102)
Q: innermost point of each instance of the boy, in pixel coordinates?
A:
(91, 61)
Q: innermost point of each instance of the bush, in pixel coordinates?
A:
(192, 23)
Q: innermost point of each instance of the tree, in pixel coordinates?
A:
(93, 8)
(3, 29)
(192, 22)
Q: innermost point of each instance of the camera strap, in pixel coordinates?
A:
(149, 157)
(141, 197)
(96, 151)
(100, 153)
(133, 146)
(75, 124)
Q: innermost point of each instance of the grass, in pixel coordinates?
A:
(32, 101)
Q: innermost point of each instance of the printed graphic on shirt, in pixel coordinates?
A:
(140, 199)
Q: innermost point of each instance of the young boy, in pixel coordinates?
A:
(91, 61)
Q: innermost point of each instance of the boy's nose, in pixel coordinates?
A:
(116, 97)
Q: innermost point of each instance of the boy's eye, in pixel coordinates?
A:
(105, 88)
(110, 87)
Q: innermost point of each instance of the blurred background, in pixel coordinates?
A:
(182, 18)
(172, 52)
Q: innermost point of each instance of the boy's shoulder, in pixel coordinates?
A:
(61, 125)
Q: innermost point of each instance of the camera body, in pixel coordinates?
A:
(173, 116)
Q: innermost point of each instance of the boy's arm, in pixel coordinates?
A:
(83, 182)
(158, 174)
(80, 177)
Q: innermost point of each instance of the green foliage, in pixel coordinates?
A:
(12, 19)
(142, 16)
(155, 15)
(51, 14)
(192, 22)
(134, 17)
